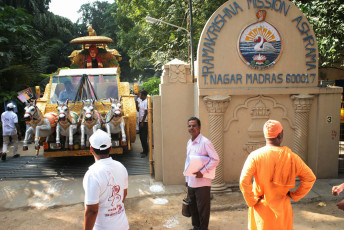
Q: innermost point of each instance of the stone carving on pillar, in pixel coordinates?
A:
(302, 106)
(176, 71)
(259, 115)
(216, 106)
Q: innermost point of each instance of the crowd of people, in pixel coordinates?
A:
(266, 182)
(273, 167)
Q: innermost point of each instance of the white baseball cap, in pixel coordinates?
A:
(10, 105)
(100, 140)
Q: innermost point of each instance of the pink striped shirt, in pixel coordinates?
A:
(201, 146)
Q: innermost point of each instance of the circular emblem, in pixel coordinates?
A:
(260, 44)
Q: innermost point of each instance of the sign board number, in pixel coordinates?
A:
(329, 119)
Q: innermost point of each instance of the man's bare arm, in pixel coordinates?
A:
(18, 128)
(90, 216)
(125, 194)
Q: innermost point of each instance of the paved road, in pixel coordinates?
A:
(28, 166)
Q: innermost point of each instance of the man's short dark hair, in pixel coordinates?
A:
(67, 82)
(195, 119)
(144, 92)
(102, 152)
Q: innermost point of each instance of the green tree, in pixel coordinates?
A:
(27, 47)
(18, 51)
(93, 14)
(100, 16)
(32, 6)
(150, 46)
(326, 18)
(54, 48)
(152, 85)
(42, 37)
(18, 37)
(158, 44)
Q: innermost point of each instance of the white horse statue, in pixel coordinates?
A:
(91, 121)
(67, 124)
(41, 126)
(114, 121)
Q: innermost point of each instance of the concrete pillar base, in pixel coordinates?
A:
(218, 187)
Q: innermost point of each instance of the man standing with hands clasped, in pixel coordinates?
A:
(199, 184)
(274, 169)
(105, 184)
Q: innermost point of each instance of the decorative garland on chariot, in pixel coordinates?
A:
(89, 62)
(65, 124)
(90, 124)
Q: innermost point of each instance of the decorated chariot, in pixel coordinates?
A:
(82, 99)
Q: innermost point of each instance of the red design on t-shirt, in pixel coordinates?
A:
(115, 197)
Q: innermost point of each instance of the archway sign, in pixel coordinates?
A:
(257, 43)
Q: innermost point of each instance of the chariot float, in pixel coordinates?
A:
(82, 99)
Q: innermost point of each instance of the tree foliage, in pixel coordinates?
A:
(18, 37)
(162, 41)
(33, 41)
(94, 14)
(152, 85)
(100, 16)
(32, 6)
(151, 45)
(33, 38)
(54, 48)
(327, 19)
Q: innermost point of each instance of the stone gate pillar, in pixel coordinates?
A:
(216, 106)
(302, 106)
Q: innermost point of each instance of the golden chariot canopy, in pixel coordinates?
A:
(108, 57)
(91, 40)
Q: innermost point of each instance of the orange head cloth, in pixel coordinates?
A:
(93, 47)
(272, 128)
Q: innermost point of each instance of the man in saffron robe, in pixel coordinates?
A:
(274, 169)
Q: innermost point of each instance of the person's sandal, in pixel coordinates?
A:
(16, 155)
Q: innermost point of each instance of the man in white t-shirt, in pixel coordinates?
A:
(10, 128)
(105, 184)
(143, 123)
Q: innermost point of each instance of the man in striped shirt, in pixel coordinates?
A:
(199, 184)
